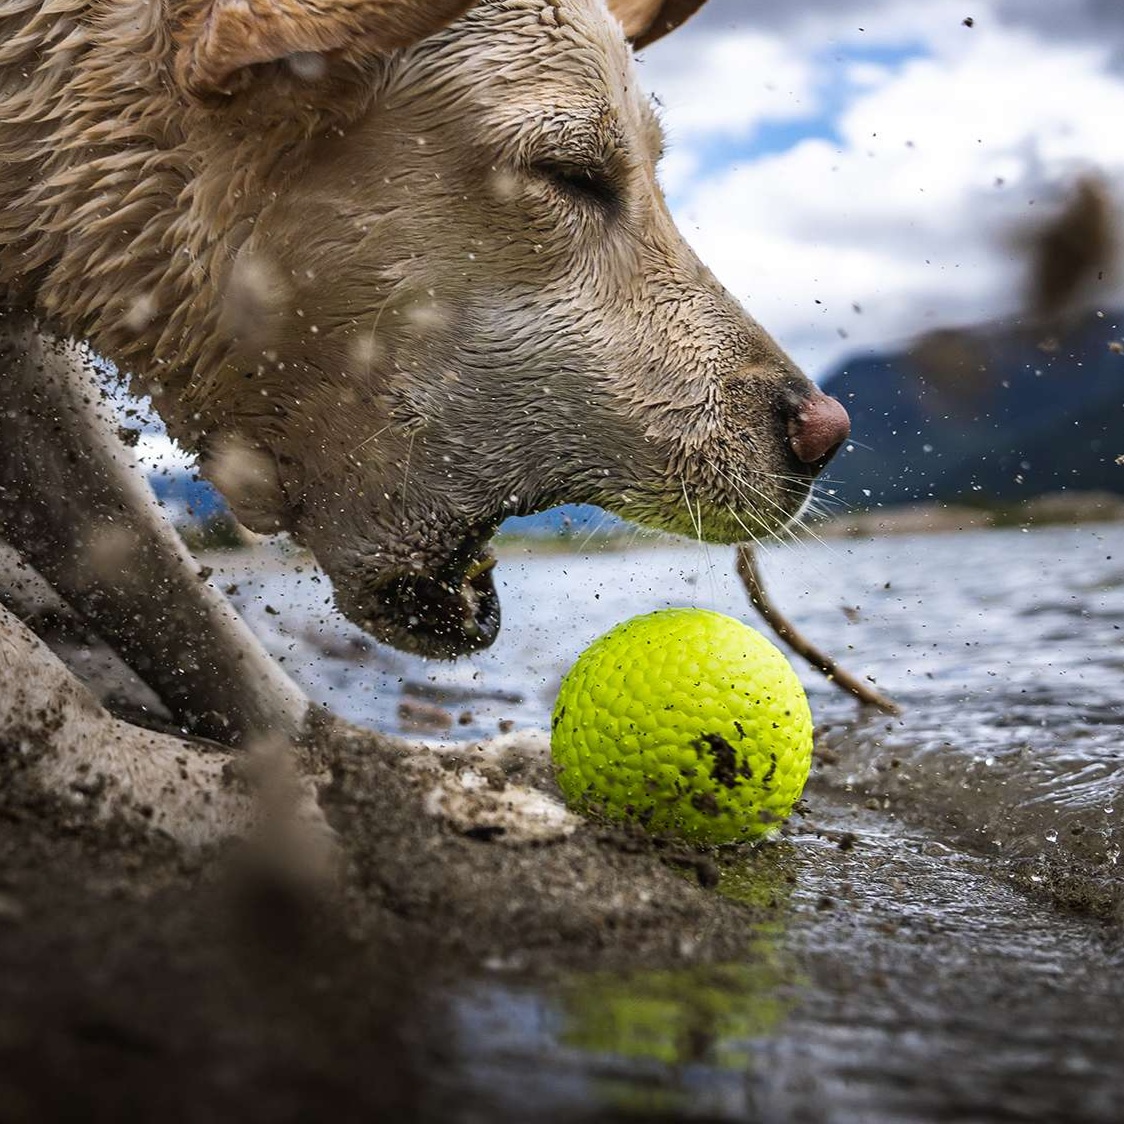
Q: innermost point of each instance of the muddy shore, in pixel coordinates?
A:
(142, 983)
(939, 935)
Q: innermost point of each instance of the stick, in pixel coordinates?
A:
(754, 587)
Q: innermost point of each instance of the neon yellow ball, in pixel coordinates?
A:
(687, 722)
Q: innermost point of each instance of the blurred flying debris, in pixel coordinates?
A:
(141, 312)
(425, 316)
(1073, 256)
(504, 185)
(110, 555)
(247, 476)
(448, 693)
(256, 303)
(291, 842)
(309, 66)
(367, 351)
(954, 363)
(420, 717)
(1071, 261)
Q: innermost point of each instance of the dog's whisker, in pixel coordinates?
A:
(750, 536)
(406, 475)
(794, 521)
(690, 510)
(697, 523)
(593, 531)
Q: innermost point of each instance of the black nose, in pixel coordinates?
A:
(817, 429)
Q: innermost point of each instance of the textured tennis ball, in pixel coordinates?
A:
(687, 722)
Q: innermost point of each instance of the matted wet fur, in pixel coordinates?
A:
(395, 271)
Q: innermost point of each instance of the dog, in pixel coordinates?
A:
(395, 270)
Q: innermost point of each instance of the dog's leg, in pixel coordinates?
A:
(74, 503)
(54, 733)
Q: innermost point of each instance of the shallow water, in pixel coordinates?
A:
(1004, 648)
(927, 968)
(898, 981)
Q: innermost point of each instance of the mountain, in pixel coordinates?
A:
(993, 414)
(186, 496)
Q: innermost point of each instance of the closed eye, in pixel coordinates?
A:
(580, 181)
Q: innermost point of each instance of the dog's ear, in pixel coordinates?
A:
(645, 21)
(224, 37)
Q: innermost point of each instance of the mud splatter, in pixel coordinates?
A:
(725, 768)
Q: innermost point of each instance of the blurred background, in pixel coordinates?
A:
(862, 173)
(921, 203)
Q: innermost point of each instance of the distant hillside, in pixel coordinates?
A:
(188, 498)
(995, 414)
(572, 520)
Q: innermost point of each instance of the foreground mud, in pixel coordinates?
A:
(141, 979)
(450, 976)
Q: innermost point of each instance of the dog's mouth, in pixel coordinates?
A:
(443, 612)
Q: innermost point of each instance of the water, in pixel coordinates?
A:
(1005, 650)
(948, 917)
(899, 982)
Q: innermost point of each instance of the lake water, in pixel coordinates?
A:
(1004, 648)
(961, 957)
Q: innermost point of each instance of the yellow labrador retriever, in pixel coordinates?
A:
(395, 269)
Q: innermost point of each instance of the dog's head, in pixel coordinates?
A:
(458, 295)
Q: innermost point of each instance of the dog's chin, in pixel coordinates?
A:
(442, 614)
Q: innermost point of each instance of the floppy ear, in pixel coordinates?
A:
(223, 37)
(645, 21)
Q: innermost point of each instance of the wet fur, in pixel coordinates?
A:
(354, 283)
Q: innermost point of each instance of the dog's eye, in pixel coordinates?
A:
(580, 181)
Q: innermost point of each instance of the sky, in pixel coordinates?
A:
(859, 172)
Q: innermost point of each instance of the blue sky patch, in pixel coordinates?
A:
(835, 91)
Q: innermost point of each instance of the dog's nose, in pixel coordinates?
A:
(818, 428)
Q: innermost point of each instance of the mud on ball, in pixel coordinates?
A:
(687, 722)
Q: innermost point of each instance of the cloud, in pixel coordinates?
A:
(1094, 21)
(1072, 20)
(772, 81)
(912, 151)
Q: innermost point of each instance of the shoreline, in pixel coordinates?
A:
(1053, 509)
